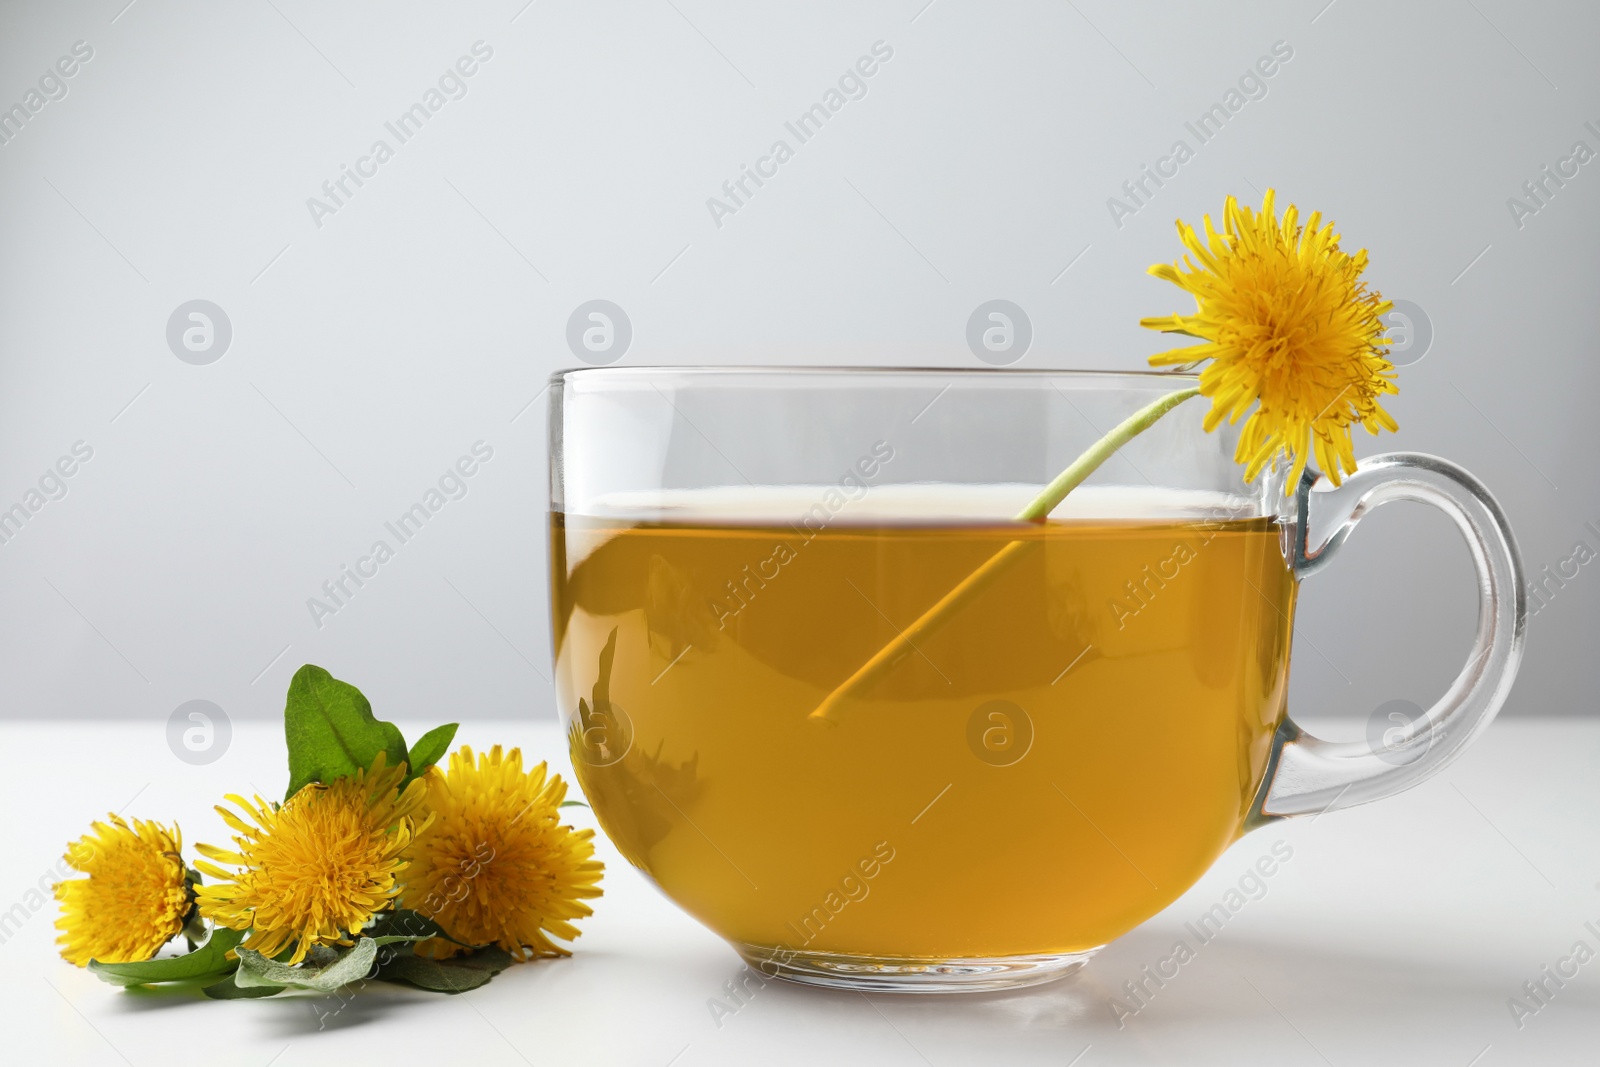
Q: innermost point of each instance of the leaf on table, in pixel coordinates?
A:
(455, 975)
(492, 959)
(228, 989)
(403, 925)
(331, 730)
(351, 965)
(209, 960)
(316, 955)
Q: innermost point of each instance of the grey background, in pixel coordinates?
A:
(371, 352)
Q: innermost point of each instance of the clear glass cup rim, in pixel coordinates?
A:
(1138, 378)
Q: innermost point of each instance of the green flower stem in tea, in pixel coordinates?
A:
(1102, 450)
(1037, 511)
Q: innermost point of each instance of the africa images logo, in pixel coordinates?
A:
(852, 85)
(452, 85)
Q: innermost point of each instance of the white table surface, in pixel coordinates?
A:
(1397, 933)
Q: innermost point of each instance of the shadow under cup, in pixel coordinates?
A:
(1054, 762)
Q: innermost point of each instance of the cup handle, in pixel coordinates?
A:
(1311, 775)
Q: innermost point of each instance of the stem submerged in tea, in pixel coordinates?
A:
(1037, 511)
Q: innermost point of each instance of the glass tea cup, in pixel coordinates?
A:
(1056, 760)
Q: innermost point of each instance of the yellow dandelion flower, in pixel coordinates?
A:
(496, 865)
(1289, 327)
(317, 869)
(135, 898)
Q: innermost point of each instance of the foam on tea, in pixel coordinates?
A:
(1000, 790)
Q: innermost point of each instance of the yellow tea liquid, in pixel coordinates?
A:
(1057, 762)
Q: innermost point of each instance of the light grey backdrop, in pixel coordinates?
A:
(378, 335)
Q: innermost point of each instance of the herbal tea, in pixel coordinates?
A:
(1053, 764)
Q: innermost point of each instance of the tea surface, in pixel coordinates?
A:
(1058, 761)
